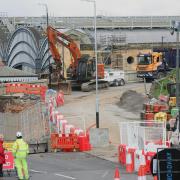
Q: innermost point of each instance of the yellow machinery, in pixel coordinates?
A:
(151, 66)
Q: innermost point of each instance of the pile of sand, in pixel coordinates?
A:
(132, 101)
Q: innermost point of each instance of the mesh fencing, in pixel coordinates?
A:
(138, 134)
(31, 122)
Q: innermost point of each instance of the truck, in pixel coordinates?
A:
(82, 69)
(156, 64)
(115, 77)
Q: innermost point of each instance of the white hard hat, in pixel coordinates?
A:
(18, 134)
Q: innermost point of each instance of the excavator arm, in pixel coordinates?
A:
(81, 69)
(55, 37)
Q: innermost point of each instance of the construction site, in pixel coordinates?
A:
(94, 97)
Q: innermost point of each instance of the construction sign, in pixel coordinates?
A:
(166, 164)
(9, 159)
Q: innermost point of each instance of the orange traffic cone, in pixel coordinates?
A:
(142, 172)
(116, 174)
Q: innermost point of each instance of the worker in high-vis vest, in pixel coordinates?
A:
(20, 151)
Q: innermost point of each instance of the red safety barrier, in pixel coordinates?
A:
(156, 107)
(148, 108)
(164, 108)
(149, 156)
(149, 116)
(26, 89)
(70, 142)
(60, 98)
(9, 159)
(84, 144)
(54, 140)
(130, 160)
(65, 143)
(122, 154)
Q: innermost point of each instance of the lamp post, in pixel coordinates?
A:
(176, 27)
(95, 50)
(47, 24)
(162, 40)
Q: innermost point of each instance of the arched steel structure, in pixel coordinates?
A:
(45, 56)
(23, 49)
(28, 50)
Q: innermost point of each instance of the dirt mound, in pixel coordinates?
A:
(132, 101)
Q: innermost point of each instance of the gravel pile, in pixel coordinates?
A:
(132, 101)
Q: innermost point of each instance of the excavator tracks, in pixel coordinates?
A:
(91, 85)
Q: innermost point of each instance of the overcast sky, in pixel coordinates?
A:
(81, 8)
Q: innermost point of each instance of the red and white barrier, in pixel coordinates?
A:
(9, 165)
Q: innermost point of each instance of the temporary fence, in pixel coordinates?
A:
(54, 97)
(26, 89)
(31, 122)
(69, 134)
(139, 134)
(139, 143)
(78, 124)
(2, 89)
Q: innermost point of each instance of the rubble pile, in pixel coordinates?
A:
(14, 104)
(132, 101)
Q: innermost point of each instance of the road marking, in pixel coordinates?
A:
(105, 174)
(68, 177)
(41, 172)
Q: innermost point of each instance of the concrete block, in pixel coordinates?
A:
(99, 137)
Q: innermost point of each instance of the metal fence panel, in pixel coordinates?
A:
(30, 122)
(138, 134)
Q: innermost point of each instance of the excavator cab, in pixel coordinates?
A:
(85, 69)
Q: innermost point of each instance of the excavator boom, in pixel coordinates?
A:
(81, 69)
(55, 37)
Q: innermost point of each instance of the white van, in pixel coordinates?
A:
(114, 77)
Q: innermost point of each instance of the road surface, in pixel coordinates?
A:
(69, 166)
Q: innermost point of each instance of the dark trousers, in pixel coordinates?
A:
(1, 172)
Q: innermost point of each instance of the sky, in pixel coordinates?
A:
(83, 8)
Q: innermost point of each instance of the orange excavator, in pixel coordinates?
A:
(81, 71)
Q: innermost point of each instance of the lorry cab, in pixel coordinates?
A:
(149, 65)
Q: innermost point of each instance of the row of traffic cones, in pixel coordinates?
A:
(143, 169)
(141, 173)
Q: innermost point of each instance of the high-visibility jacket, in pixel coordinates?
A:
(20, 149)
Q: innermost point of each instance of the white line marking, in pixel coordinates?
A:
(42, 172)
(68, 177)
(105, 174)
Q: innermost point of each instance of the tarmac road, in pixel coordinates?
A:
(69, 166)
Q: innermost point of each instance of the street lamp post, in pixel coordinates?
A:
(47, 24)
(95, 50)
(176, 27)
(162, 41)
